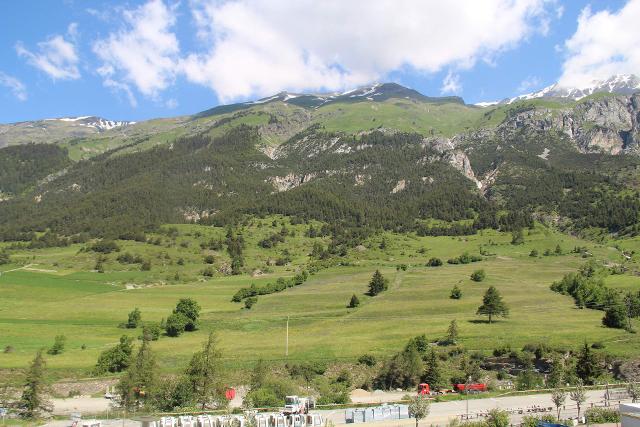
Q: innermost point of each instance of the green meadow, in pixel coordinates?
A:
(56, 291)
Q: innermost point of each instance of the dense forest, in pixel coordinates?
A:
(370, 181)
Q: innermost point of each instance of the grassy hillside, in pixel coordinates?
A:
(47, 292)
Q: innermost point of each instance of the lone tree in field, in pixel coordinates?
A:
(419, 408)
(33, 402)
(134, 319)
(377, 284)
(355, 302)
(492, 304)
(579, 396)
(558, 396)
(452, 332)
(191, 310)
(456, 292)
(58, 345)
(205, 374)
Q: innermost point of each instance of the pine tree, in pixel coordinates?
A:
(205, 373)
(377, 284)
(588, 366)
(355, 302)
(135, 385)
(452, 332)
(492, 304)
(556, 376)
(433, 373)
(33, 402)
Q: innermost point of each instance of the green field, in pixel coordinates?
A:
(54, 291)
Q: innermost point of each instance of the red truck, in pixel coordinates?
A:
(474, 387)
(423, 389)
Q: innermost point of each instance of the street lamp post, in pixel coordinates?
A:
(466, 390)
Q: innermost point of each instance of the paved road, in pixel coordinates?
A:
(440, 414)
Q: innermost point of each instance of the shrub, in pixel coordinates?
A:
(478, 275)
(191, 310)
(602, 416)
(146, 266)
(533, 253)
(615, 317)
(465, 258)
(367, 360)
(105, 246)
(176, 324)
(208, 272)
(598, 345)
(134, 319)
(152, 330)
(4, 258)
(533, 420)
(209, 259)
(434, 262)
(456, 292)
(250, 302)
(58, 345)
(497, 418)
(115, 359)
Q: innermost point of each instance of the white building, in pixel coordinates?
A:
(630, 414)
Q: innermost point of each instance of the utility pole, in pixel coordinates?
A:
(286, 351)
(628, 304)
(466, 390)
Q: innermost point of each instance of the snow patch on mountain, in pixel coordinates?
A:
(97, 123)
(622, 84)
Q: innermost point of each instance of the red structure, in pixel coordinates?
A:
(423, 389)
(472, 387)
(230, 393)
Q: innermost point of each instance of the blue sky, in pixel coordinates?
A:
(158, 58)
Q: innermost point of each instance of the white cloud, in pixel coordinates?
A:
(451, 84)
(56, 56)
(17, 88)
(605, 43)
(258, 47)
(144, 53)
(531, 82)
(120, 87)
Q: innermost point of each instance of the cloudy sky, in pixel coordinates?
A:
(142, 59)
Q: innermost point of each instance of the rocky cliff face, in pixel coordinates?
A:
(608, 124)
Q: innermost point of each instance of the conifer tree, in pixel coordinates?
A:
(136, 384)
(205, 374)
(492, 304)
(354, 302)
(377, 284)
(34, 402)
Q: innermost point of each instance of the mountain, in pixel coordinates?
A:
(382, 156)
(376, 93)
(54, 130)
(621, 84)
